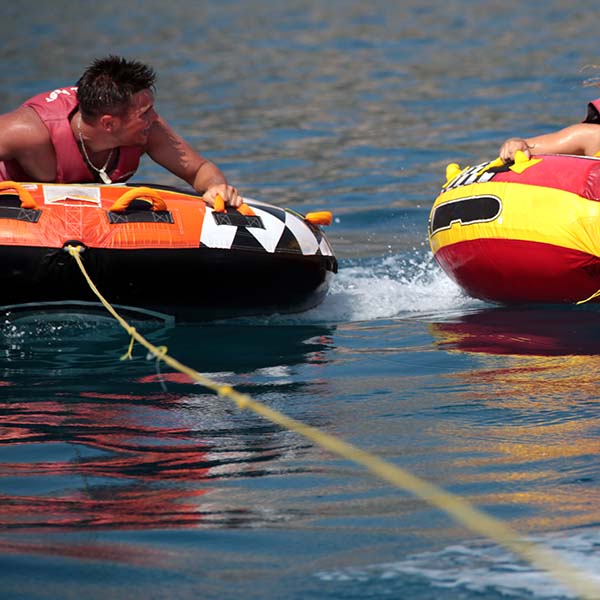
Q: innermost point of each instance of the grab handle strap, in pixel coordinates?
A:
(139, 193)
(25, 197)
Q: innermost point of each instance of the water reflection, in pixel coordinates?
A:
(528, 402)
(137, 448)
(528, 330)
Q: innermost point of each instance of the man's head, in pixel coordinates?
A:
(108, 85)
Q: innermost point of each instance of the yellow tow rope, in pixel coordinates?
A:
(575, 580)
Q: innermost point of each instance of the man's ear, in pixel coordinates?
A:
(108, 123)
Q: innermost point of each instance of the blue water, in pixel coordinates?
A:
(122, 479)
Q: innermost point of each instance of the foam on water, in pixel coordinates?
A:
(406, 286)
(483, 567)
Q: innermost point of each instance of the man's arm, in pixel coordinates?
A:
(171, 151)
(24, 138)
(580, 139)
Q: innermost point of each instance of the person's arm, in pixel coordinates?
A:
(579, 139)
(23, 137)
(171, 151)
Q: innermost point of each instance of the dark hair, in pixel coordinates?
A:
(107, 85)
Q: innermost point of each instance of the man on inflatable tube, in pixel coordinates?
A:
(97, 131)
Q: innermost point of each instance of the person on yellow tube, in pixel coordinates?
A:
(581, 139)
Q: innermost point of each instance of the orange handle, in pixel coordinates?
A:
(246, 210)
(140, 193)
(219, 205)
(323, 217)
(25, 197)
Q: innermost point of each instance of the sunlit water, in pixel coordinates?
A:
(122, 479)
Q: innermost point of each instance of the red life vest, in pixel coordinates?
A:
(54, 109)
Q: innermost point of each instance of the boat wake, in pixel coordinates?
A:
(399, 286)
(476, 568)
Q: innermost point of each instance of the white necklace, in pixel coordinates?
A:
(101, 172)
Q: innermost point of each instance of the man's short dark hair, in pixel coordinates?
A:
(107, 85)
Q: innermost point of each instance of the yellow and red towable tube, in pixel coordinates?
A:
(520, 233)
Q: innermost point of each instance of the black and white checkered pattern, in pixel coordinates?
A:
(276, 230)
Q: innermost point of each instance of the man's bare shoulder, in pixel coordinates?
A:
(22, 128)
(587, 135)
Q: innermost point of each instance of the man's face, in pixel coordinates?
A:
(134, 126)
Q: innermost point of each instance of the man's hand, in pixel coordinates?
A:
(511, 146)
(226, 191)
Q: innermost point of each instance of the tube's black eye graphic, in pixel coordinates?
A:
(475, 209)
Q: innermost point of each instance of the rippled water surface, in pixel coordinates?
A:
(123, 479)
